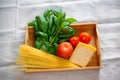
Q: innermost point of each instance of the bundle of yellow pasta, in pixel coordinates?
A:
(32, 58)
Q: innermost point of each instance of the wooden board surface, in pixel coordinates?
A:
(91, 28)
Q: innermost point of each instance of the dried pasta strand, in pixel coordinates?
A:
(32, 58)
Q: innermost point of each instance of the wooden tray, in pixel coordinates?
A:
(91, 28)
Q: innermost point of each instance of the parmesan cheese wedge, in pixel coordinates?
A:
(82, 54)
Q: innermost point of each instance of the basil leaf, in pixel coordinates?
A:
(64, 15)
(43, 35)
(71, 20)
(31, 23)
(42, 23)
(55, 45)
(47, 13)
(51, 38)
(52, 48)
(68, 34)
(38, 43)
(50, 25)
(45, 46)
(67, 29)
(64, 24)
(59, 19)
(36, 26)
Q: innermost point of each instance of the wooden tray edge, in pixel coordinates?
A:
(67, 69)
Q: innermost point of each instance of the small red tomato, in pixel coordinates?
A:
(64, 50)
(74, 41)
(85, 37)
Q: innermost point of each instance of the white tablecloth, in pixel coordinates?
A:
(15, 14)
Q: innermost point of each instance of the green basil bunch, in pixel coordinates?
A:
(51, 29)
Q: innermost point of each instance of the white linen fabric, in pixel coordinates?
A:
(15, 14)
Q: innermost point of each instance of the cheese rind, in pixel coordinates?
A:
(82, 54)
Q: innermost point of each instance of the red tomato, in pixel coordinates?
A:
(85, 37)
(64, 50)
(74, 41)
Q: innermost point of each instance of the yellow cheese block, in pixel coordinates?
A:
(82, 54)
